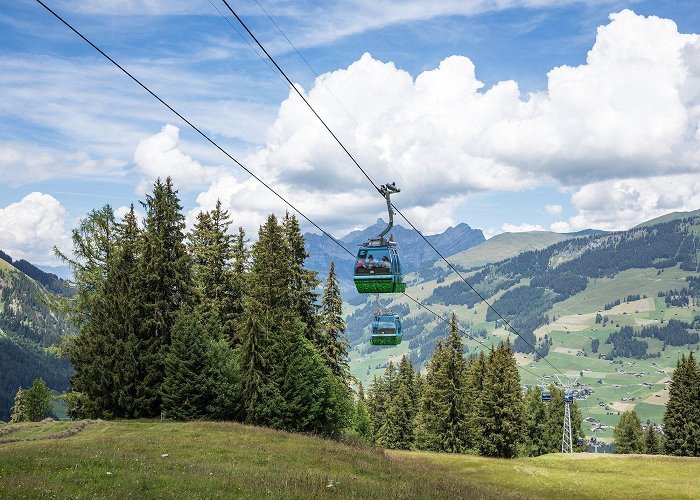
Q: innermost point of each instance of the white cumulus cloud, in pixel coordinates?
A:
(632, 111)
(624, 203)
(159, 156)
(553, 209)
(31, 227)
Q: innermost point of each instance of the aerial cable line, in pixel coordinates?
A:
(192, 125)
(347, 112)
(211, 141)
(506, 322)
(376, 187)
(263, 59)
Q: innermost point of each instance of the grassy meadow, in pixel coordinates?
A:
(149, 459)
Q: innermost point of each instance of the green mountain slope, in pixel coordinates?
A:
(504, 246)
(557, 292)
(27, 328)
(145, 459)
(670, 217)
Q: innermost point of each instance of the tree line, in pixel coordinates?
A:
(199, 324)
(462, 405)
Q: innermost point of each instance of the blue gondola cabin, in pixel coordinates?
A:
(386, 330)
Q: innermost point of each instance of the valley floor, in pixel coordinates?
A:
(138, 459)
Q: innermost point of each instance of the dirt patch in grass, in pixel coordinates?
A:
(658, 398)
(619, 406)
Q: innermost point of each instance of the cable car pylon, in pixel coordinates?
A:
(568, 383)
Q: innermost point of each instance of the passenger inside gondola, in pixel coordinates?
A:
(373, 262)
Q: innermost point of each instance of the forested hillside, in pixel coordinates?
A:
(27, 327)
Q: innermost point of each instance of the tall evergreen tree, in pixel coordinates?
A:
(443, 418)
(652, 443)
(186, 389)
(628, 434)
(165, 283)
(333, 344)
(362, 423)
(535, 425)
(302, 282)
(241, 256)
(681, 421)
(213, 267)
(124, 313)
(285, 383)
(476, 372)
(397, 430)
(500, 407)
(92, 352)
(377, 403)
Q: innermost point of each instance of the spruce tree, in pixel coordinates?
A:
(93, 351)
(652, 443)
(362, 423)
(186, 387)
(212, 251)
(476, 372)
(535, 425)
(285, 382)
(681, 420)
(500, 411)
(165, 284)
(443, 418)
(302, 282)
(377, 403)
(124, 312)
(555, 420)
(333, 344)
(628, 434)
(397, 430)
(239, 268)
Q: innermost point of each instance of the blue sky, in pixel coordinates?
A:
(509, 115)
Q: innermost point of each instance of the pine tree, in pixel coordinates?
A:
(333, 344)
(37, 401)
(628, 434)
(652, 443)
(500, 411)
(19, 410)
(681, 420)
(165, 284)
